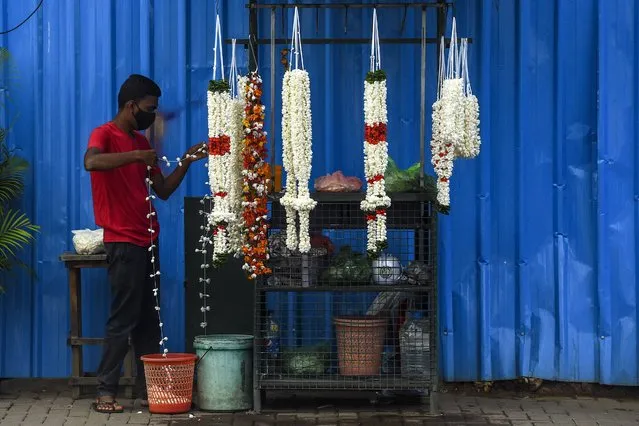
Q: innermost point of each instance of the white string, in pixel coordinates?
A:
(376, 57)
(296, 42)
(379, 55)
(458, 53)
(442, 65)
(218, 43)
(469, 90)
(453, 54)
(290, 56)
(252, 51)
(233, 71)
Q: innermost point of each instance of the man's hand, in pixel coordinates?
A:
(147, 156)
(197, 152)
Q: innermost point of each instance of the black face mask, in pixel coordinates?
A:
(143, 119)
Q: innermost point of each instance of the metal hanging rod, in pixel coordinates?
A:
(347, 5)
(345, 40)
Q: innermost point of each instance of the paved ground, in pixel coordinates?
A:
(49, 403)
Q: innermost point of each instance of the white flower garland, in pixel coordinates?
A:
(297, 157)
(375, 162)
(236, 132)
(220, 178)
(442, 156)
(471, 142)
(455, 117)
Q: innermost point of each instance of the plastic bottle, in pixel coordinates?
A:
(414, 341)
(272, 344)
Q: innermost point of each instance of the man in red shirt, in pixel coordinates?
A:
(120, 160)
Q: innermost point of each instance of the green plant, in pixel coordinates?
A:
(16, 229)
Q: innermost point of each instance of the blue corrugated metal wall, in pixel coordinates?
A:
(537, 260)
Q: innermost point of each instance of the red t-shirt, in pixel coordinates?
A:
(119, 195)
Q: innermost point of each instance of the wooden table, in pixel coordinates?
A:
(79, 378)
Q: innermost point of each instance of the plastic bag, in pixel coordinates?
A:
(398, 180)
(337, 182)
(87, 241)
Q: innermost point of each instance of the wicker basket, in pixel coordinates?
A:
(360, 343)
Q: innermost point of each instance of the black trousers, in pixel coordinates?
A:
(132, 314)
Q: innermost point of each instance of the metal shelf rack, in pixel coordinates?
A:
(311, 345)
(316, 299)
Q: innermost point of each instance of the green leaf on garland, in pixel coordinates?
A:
(374, 76)
(219, 86)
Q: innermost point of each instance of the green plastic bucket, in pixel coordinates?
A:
(224, 372)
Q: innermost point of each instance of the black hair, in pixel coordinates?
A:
(136, 87)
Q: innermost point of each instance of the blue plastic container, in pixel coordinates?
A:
(224, 372)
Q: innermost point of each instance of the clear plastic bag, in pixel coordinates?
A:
(88, 241)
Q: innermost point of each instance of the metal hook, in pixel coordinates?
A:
(401, 30)
(251, 44)
(345, 19)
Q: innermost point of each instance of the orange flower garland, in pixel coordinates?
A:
(256, 176)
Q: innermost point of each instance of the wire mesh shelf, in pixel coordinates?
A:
(335, 319)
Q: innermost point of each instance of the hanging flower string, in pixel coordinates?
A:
(455, 116)
(447, 119)
(471, 142)
(375, 150)
(235, 167)
(155, 272)
(217, 146)
(297, 139)
(205, 241)
(219, 103)
(255, 180)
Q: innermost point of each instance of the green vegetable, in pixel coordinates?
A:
(307, 360)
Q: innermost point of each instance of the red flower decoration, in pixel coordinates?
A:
(254, 159)
(374, 134)
(375, 178)
(219, 145)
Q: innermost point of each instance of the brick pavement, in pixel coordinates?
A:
(26, 402)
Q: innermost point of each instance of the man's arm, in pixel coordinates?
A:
(164, 187)
(96, 160)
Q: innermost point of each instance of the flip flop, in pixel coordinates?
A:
(107, 405)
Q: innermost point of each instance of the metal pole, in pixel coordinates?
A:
(422, 123)
(434, 300)
(273, 67)
(413, 4)
(345, 40)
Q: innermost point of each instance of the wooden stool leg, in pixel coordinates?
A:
(75, 295)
